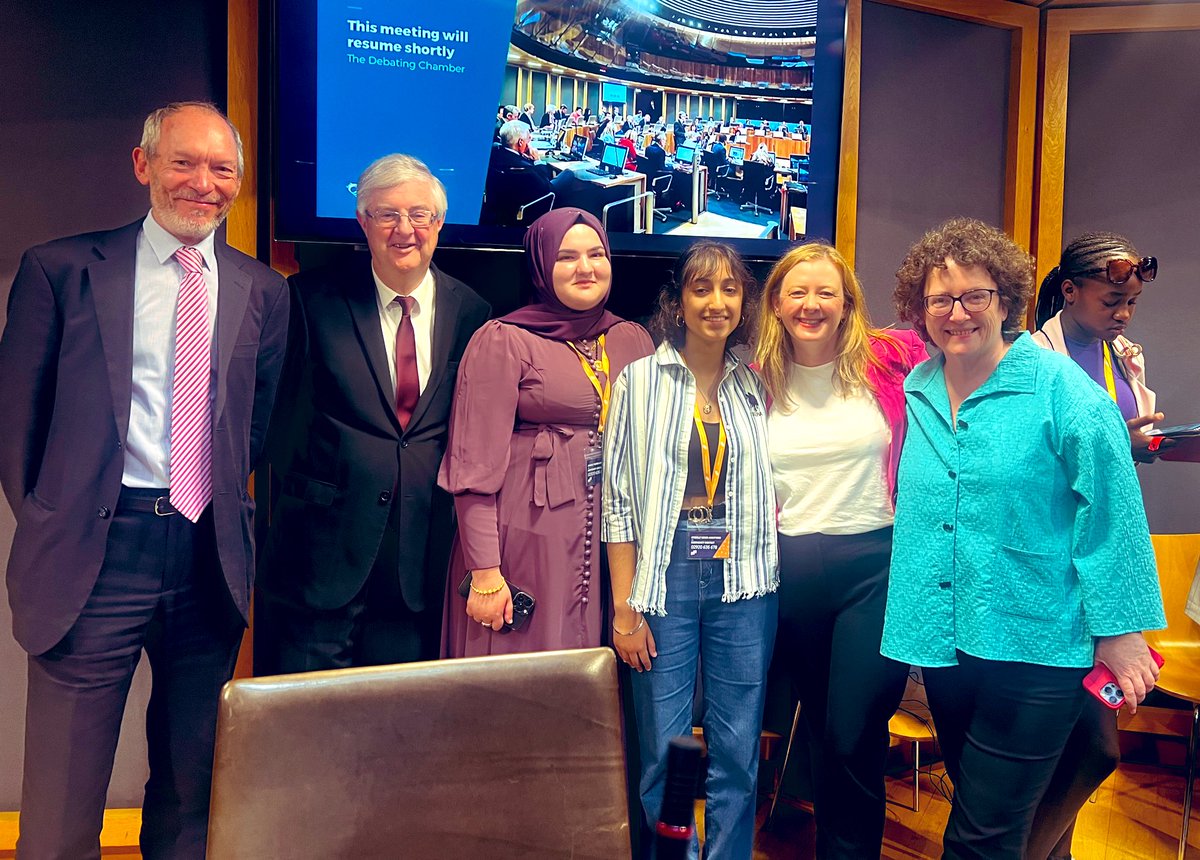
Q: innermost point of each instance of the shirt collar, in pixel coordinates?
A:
(164, 245)
(422, 295)
(667, 355)
(1016, 372)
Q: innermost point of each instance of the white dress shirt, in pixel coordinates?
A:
(156, 279)
(390, 314)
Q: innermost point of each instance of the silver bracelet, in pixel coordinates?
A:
(640, 625)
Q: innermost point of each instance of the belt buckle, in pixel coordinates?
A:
(699, 515)
(162, 507)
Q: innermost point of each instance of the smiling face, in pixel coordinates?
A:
(192, 173)
(582, 271)
(811, 304)
(401, 254)
(961, 334)
(1101, 310)
(711, 305)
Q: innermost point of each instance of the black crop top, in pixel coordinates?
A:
(694, 488)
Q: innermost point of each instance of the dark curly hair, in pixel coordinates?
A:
(1090, 251)
(704, 259)
(967, 242)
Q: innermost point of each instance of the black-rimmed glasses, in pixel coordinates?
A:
(973, 301)
(1120, 270)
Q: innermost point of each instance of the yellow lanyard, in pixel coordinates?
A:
(1109, 382)
(712, 472)
(605, 390)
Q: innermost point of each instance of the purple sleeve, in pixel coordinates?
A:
(481, 422)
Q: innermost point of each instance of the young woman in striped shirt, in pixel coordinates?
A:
(688, 515)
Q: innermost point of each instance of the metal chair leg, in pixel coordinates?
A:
(1190, 776)
(787, 755)
(916, 776)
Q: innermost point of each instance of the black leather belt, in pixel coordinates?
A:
(146, 501)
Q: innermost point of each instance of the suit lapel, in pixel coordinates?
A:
(111, 279)
(445, 324)
(364, 310)
(233, 291)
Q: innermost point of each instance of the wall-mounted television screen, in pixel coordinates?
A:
(454, 83)
(613, 93)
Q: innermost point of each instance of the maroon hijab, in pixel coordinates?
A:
(548, 316)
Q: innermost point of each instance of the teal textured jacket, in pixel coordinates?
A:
(1020, 531)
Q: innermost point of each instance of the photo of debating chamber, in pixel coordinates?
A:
(689, 119)
(612, 429)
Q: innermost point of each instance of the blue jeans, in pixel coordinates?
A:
(733, 644)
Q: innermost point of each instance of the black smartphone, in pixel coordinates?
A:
(523, 603)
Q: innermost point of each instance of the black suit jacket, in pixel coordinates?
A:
(339, 453)
(66, 378)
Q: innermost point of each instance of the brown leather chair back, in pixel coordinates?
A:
(492, 757)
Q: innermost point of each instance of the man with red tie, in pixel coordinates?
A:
(137, 370)
(356, 559)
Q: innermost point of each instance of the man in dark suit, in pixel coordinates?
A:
(656, 155)
(137, 368)
(515, 178)
(355, 567)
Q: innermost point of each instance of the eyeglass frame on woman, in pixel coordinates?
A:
(390, 218)
(960, 300)
(1141, 266)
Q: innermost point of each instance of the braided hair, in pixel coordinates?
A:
(1089, 252)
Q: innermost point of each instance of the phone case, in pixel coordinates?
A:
(523, 603)
(1102, 684)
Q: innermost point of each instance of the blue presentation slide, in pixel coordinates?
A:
(422, 79)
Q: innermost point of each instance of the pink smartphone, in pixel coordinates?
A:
(1102, 684)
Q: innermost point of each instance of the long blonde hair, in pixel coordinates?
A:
(774, 354)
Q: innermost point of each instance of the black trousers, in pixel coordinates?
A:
(1093, 751)
(1002, 728)
(831, 599)
(376, 628)
(159, 588)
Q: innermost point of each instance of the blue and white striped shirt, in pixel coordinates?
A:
(645, 472)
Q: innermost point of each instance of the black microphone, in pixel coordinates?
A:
(673, 833)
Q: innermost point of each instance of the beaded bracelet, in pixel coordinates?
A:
(483, 593)
(640, 625)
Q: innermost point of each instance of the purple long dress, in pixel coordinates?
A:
(524, 414)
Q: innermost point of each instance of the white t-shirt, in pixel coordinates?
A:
(827, 457)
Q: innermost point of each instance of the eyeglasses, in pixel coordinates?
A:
(973, 301)
(389, 218)
(1120, 270)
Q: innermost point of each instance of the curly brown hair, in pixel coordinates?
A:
(968, 242)
(704, 259)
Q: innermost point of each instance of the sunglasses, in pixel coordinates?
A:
(1119, 271)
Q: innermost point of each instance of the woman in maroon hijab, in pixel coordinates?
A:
(523, 458)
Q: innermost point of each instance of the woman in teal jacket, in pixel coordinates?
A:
(1021, 553)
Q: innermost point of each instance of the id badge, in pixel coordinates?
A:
(706, 544)
(593, 466)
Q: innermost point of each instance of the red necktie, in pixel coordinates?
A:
(408, 386)
(191, 420)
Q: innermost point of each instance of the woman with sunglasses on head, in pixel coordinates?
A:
(523, 455)
(689, 523)
(1022, 555)
(1083, 307)
(836, 426)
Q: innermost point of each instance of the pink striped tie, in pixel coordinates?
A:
(191, 419)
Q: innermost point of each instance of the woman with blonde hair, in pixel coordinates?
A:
(835, 426)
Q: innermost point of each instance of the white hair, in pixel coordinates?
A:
(397, 169)
(152, 128)
(513, 132)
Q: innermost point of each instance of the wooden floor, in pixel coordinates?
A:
(1134, 816)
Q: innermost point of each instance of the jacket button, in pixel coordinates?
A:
(403, 443)
(385, 497)
(102, 512)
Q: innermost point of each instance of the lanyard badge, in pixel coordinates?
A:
(593, 457)
(708, 543)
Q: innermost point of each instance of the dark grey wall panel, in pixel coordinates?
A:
(79, 78)
(1133, 134)
(934, 105)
